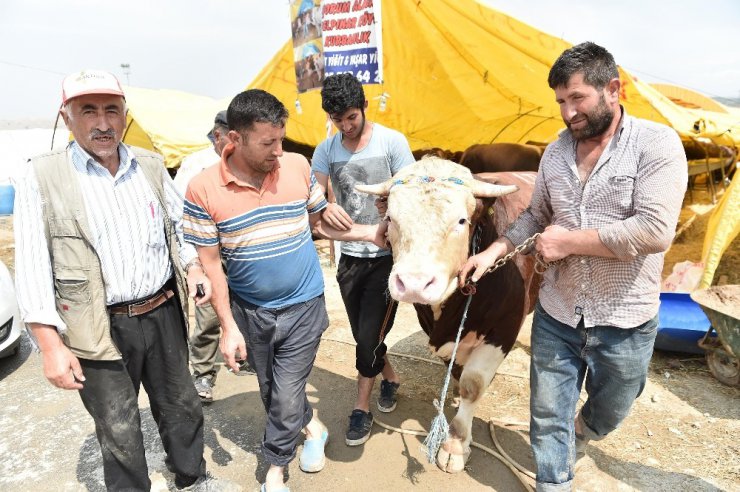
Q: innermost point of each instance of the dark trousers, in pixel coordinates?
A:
(363, 283)
(282, 349)
(155, 354)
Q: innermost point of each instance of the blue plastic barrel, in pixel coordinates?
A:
(7, 195)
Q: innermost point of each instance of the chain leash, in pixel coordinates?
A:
(540, 265)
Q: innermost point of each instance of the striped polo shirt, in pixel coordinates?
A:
(264, 234)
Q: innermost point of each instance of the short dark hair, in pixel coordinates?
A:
(223, 129)
(255, 106)
(342, 92)
(595, 63)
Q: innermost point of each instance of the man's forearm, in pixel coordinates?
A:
(358, 232)
(46, 337)
(220, 292)
(587, 243)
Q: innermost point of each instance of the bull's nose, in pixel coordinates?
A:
(414, 283)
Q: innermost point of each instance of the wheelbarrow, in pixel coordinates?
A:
(722, 306)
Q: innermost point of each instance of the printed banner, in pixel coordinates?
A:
(351, 43)
(336, 36)
(305, 16)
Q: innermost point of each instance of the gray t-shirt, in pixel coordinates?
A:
(385, 154)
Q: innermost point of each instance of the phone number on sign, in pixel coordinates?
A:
(363, 76)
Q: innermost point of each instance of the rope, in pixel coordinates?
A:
(504, 458)
(440, 428)
(414, 357)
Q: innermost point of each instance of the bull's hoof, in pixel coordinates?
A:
(452, 462)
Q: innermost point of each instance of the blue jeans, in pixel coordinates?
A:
(613, 361)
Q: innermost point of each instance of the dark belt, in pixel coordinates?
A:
(137, 308)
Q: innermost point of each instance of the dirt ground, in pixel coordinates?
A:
(682, 435)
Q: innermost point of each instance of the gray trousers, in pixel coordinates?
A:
(282, 345)
(204, 343)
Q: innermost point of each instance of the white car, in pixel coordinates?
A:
(10, 317)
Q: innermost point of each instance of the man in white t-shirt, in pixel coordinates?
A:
(362, 152)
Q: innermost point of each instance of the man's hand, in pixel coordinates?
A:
(197, 276)
(552, 243)
(232, 342)
(381, 203)
(480, 263)
(62, 368)
(336, 217)
(381, 235)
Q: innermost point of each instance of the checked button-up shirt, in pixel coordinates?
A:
(632, 198)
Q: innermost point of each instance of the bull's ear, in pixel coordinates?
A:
(380, 189)
(482, 189)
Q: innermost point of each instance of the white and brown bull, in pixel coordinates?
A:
(434, 208)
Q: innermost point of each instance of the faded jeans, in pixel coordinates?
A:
(614, 363)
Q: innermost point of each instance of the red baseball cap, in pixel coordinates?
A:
(90, 82)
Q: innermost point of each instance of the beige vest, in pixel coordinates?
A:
(78, 279)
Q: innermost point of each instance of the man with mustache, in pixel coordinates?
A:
(606, 202)
(102, 276)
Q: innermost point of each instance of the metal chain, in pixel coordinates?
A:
(504, 259)
(540, 265)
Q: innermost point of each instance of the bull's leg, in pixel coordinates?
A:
(477, 374)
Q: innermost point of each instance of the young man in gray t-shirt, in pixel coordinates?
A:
(362, 152)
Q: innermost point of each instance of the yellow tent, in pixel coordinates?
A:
(172, 123)
(456, 73)
(722, 229)
(689, 98)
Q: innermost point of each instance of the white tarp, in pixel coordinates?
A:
(17, 146)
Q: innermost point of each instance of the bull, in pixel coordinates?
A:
(435, 207)
(500, 157)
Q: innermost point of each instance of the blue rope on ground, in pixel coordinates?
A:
(440, 428)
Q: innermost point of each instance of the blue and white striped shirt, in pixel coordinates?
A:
(127, 228)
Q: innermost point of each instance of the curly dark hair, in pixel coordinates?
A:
(595, 63)
(255, 106)
(342, 92)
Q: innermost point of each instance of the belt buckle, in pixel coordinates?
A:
(131, 314)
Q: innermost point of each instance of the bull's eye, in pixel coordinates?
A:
(462, 221)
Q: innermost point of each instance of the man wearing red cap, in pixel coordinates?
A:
(101, 269)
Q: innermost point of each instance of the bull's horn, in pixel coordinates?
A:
(481, 189)
(380, 189)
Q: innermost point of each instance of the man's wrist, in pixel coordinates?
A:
(195, 262)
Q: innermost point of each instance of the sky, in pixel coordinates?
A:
(216, 47)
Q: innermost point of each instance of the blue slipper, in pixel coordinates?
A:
(264, 489)
(312, 457)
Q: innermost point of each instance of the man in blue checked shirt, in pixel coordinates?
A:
(606, 202)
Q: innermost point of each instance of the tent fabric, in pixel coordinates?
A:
(457, 73)
(172, 123)
(721, 127)
(689, 98)
(722, 229)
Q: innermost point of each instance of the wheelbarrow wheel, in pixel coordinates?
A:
(724, 367)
